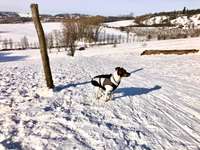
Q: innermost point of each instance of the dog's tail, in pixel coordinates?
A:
(94, 82)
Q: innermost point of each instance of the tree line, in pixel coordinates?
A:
(84, 29)
(10, 44)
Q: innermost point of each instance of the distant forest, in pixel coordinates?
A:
(13, 17)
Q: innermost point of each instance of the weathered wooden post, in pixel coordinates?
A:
(43, 46)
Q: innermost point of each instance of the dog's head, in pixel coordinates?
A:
(122, 72)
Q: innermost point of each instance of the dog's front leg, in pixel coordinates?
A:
(108, 96)
(108, 93)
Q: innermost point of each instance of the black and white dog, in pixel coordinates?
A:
(107, 83)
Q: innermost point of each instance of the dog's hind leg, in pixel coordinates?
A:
(97, 92)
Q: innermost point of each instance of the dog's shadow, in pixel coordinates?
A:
(134, 91)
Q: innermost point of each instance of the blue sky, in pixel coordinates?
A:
(102, 7)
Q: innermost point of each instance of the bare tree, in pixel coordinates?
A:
(24, 43)
(10, 43)
(90, 27)
(15, 46)
(108, 39)
(36, 45)
(71, 34)
(80, 29)
(5, 44)
(19, 45)
(31, 45)
(57, 35)
(66, 39)
(95, 23)
(50, 41)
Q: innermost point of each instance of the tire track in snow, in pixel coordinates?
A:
(160, 106)
(187, 131)
(143, 79)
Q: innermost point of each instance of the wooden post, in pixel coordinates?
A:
(43, 46)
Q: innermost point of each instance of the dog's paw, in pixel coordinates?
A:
(98, 97)
(109, 99)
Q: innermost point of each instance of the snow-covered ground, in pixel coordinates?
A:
(123, 23)
(158, 107)
(182, 20)
(29, 15)
(187, 22)
(18, 31)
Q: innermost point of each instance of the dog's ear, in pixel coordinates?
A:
(117, 68)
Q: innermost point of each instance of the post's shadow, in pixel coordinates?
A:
(134, 91)
(4, 57)
(62, 87)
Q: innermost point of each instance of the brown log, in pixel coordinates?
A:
(169, 52)
(43, 46)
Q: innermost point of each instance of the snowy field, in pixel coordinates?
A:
(158, 107)
(123, 23)
(17, 31)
